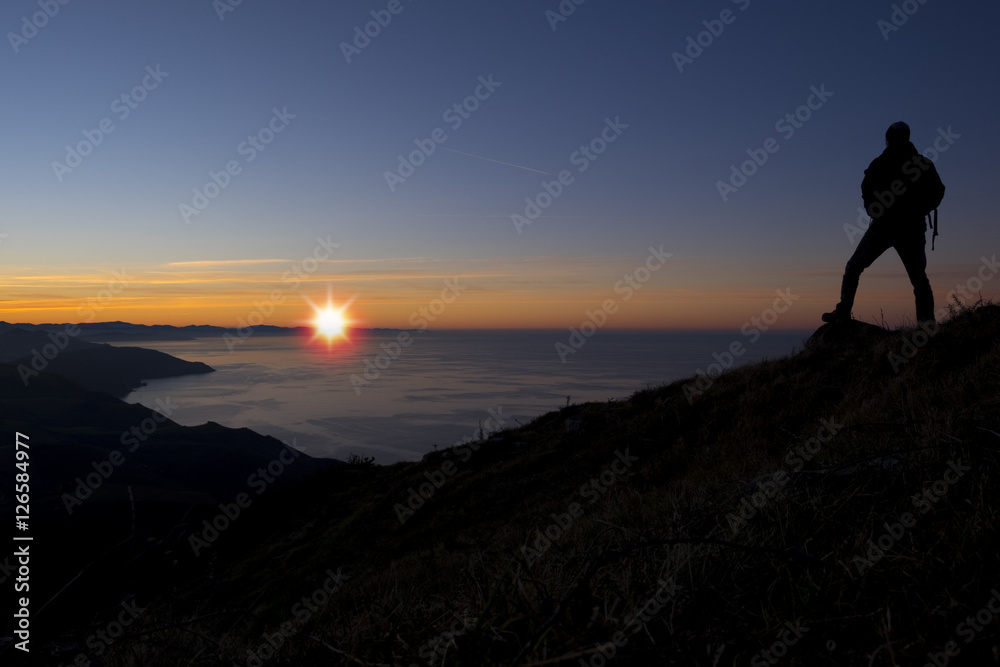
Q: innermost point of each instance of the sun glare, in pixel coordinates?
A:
(330, 322)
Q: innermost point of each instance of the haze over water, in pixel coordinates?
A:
(436, 392)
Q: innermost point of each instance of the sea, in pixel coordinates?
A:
(395, 397)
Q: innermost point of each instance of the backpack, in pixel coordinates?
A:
(928, 193)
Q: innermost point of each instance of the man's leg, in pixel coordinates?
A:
(912, 250)
(875, 242)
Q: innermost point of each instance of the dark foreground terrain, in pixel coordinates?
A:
(835, 507)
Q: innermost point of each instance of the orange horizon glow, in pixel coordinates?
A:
(487, 314)
(544, 293)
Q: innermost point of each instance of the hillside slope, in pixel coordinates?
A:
(835, 507)
(113, 484)
(96, 366)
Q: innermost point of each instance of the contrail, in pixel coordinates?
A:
(489, 159)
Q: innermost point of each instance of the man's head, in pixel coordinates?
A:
(898, 134)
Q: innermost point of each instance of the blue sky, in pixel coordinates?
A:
(324, 174)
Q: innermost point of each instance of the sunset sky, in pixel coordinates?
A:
(210, 76)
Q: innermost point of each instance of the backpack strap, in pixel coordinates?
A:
(932, 218)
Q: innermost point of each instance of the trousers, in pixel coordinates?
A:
(910, 245)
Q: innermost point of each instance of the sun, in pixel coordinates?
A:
(330, 321)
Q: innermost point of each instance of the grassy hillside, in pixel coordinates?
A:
(835, 507)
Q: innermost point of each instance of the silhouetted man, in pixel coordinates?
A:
(900, 187)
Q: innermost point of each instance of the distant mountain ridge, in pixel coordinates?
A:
(97, 366)
(124, 331)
